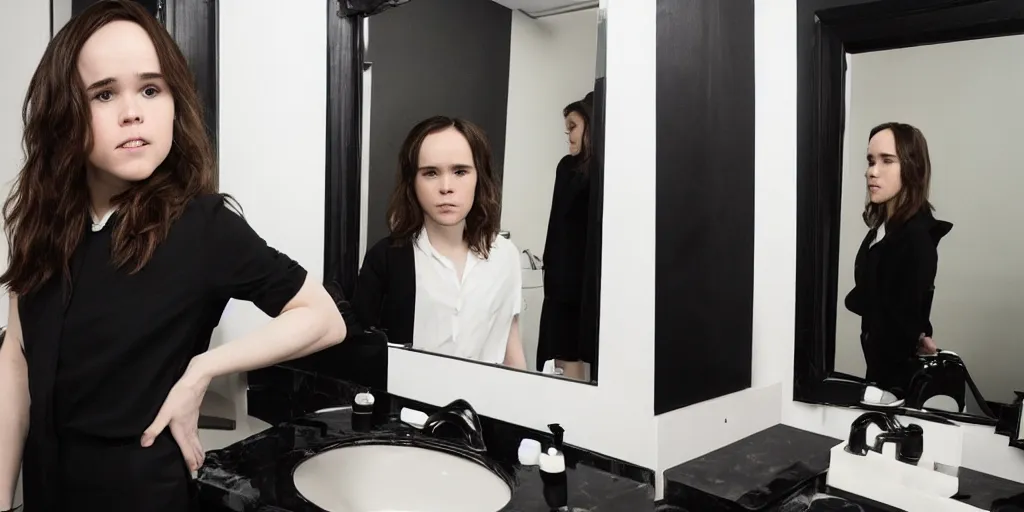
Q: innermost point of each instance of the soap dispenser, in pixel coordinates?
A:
(552, 472)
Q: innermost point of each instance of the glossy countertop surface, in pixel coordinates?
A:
(255, 474)
(783, 469)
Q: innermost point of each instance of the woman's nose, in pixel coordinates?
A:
(131, 114)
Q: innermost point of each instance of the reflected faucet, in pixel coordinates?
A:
(457, 421)
(533, 259)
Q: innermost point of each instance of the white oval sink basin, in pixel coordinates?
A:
(385, 478)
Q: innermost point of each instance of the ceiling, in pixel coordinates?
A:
(540, 6)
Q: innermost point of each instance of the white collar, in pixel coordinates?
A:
(422, 241)
(99, 223)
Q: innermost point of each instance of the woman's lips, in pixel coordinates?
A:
(133, 144)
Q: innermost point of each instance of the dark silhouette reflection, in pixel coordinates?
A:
(897, 261)
(562, 330)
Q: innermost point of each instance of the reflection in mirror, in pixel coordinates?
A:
(930, 272)
(1018, 439)
(479, 240)
(1017, 431)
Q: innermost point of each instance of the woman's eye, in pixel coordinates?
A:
(105, 96)
(151, 91)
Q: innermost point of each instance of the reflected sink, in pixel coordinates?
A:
(386, 478)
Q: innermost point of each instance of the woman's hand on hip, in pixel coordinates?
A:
(180, 413)
(927, 347)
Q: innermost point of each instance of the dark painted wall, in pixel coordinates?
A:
(433, 57)
(704, 293)
(77, 6)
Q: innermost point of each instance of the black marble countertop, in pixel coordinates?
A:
(783, 469)
(255, 474)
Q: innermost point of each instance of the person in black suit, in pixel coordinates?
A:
(895, 267)
(562, 336)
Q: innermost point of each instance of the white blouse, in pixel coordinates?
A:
(470, 318)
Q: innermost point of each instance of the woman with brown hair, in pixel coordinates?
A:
(443, 280)
(895, 267)
(561, 335)
(123, 258)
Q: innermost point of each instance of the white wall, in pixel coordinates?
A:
(24, 25)
(62, 10)
(775, 245)
(552, 63)
(272, 125)
(616, 416)
(965, 98)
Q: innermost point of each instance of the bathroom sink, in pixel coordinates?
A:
(387, 478)
(533, 278)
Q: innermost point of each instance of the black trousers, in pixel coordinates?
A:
(123, 477)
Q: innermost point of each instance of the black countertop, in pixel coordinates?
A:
(255, 474)
(783, 469)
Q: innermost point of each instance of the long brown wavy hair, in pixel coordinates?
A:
(405, 216)
(915, 177)
(47, 209)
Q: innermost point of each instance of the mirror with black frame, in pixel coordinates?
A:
(909, 139)
(481, 200)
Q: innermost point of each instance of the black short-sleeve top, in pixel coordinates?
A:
(104, 352)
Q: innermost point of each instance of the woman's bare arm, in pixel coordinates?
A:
(14, 404)
(514, 355)
(309, 323)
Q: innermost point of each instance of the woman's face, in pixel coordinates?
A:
(574, 127)
(446, 178)
(131, 105)
(883, 174)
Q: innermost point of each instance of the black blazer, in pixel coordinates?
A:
(894, 285)
(385, 294)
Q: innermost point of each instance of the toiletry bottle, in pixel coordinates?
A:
(552, 472)
(362, 411)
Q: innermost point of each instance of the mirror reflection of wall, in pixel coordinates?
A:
(964, 98)
(524, 82)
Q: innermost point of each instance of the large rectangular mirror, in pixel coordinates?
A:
(909, 275)
(958, 113)
(480, 229)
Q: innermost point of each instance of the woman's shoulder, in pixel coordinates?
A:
(211, 204)
(566, 164)
(504, 249)
(205, 210)
(924, 229)
(386, 249)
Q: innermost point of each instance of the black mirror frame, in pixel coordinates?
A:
(826, 31)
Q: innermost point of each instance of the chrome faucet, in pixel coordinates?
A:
(457, 421)
(533, 259)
